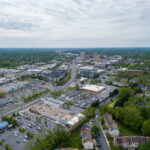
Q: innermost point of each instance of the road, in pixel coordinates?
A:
(66, 85)
(71, 80)
(101, 140)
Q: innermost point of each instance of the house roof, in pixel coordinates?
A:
(86, 136)
(85, 131)
(87, 140)
(132, 139)
(110, 122)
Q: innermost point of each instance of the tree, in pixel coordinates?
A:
(6, 147)
(22, 130)
(1, 143)
(10, 120)
(38, 119)
(113, 93)
(2, 95)
(14, 122)
(28, 133)
(95, 129)
(102, 120)
(95, 104)
(95, 81)
(31, 135)
(124, 95)
(13, 115)
(60, 134)
(89, 112)
(45, 122)
(146, 128)
(119, 113)
(145, 112)
(48, 140)
(145, 146)
(68, 103)
(104, 109)
(133, 118)
(77, 87)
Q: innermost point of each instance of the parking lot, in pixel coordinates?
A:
(87, 98)
(18, 96)
(16, 139)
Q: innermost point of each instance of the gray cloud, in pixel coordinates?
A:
(50, 23)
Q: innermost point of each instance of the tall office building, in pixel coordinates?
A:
(96, 56)
(82, 55)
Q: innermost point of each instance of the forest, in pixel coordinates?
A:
(11, 58)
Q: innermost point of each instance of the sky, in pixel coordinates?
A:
(74, 23)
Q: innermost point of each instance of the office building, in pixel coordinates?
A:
(88, 71)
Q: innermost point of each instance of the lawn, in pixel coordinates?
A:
(124, 131)
(74, 140)
(148, 103)
(111, 105)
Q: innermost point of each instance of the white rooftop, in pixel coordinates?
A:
(87, 67)
(83, 79)
(75, 119)
(94, 88)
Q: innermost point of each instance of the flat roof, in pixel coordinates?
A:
(3, 124)
(94, 88)
(12, 85)
(87, 67)
(52, 100)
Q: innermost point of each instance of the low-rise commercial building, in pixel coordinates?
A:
(93, 88)
(4, 102)
(13, 86)
(73, 94)
(120, 84)
(56, 75)
(3, 125)
(53, 102)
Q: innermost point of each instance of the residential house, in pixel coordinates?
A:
(111, 125)
(86, 136)
(130, 142)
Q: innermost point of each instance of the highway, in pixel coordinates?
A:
(71, 80)
(101, 140)
(66, 85)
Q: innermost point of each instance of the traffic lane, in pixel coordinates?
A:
(70, 81)
(101, 140)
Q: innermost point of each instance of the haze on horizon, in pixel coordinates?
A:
(74, 23)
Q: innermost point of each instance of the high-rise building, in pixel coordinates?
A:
(96, 56)
(82, 55)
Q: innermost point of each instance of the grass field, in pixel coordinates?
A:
(74, 140)
(124, 131)
(148, 103)
(111, 105)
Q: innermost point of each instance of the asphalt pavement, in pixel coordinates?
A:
(66, 85)
(71, 80)
(101, 140)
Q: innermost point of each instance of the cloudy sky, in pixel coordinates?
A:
(74, 23)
